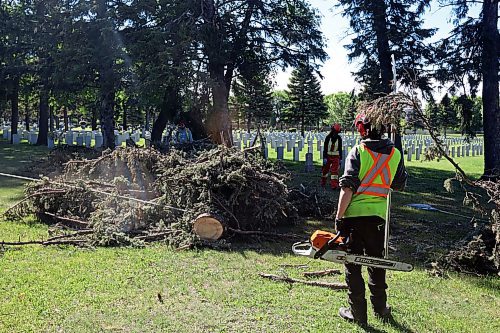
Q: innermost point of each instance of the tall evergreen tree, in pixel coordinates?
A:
(382, 28)
(470, 56)
(307, 105)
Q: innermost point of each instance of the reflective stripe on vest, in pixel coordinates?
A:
(380, 168)
(333, 147)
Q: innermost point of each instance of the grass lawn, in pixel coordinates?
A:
(158, 289)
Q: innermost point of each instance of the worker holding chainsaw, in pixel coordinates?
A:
(332, 155)
(372, 169)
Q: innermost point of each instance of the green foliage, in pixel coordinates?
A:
(341, 108)
(382, 28)
(307, 106)
(253, 95)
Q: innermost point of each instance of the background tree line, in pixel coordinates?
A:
(211, 62)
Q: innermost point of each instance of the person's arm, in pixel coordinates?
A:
(344, 201)
(400, 178)
(190, 136)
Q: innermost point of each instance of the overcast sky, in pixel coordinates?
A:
(337, 70)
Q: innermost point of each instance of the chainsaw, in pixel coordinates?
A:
(332, 247)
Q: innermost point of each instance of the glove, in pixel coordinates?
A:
(339, 225)
(325, 161)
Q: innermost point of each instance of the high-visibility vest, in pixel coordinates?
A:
(376, 173)
(333, 147)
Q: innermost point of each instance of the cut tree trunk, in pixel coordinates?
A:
(207, 227)
(66, 118)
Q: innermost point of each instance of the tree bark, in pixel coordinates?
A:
(51, 118)
(379, 10)
(491, 112)
(105, 59)
(66, 120)
(124, 118)
(14, 101)
(219, 122)
(26, 112)
(43, 117)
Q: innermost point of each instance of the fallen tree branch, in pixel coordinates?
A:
(329, 285)
(31, 196)
(72, 222)
(326, 272)
(47, 242)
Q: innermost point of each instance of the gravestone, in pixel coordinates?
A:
(309, 163)
(296, 154)
(98, 140)
(16, 139)
(280, 153)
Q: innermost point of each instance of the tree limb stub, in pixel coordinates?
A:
(329, 285)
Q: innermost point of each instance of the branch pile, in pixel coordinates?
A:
(479, 254)
(131, 196)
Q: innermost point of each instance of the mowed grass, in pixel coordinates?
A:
(158, 289)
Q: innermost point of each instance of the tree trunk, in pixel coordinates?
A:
(124, 118)
(107, 116)
(14, 101)
(26, 112)
(43, 117)
(105, 58)
(491, 120)
(94, 119)
(379, 10)
(219, 122)
(51, 119)
(168, 111)
(66, 120)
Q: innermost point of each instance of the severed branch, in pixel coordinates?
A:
(322, 273)
(329, 285)
(73, 223)
(31, 196)
(47, 242)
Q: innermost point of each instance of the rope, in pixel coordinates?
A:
(94, 190)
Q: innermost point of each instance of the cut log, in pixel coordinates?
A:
(207, 227)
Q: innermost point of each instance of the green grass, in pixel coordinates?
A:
(65, 289)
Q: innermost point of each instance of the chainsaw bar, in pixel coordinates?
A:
(342, 257)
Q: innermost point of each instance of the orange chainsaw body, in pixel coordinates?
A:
(319, 238)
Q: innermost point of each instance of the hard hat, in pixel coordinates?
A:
(360, 122)
(337, 128)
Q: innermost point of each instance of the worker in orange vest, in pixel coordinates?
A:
(372, 168)
(332, 154)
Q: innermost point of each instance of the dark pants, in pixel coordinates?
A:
(367, 237)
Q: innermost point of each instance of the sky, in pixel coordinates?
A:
(337, 70)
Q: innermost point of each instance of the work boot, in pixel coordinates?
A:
(384, 314)
(347, 314)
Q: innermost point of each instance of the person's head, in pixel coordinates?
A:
(182, 124)
(336, 128)
(366, 129)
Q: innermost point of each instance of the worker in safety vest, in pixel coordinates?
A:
(183, 134)
(372, 168)
(332, 154)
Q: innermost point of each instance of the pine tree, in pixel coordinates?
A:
(382, 28)
(307, 106)
(468, 57)
(254, 95)
(447, 114)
